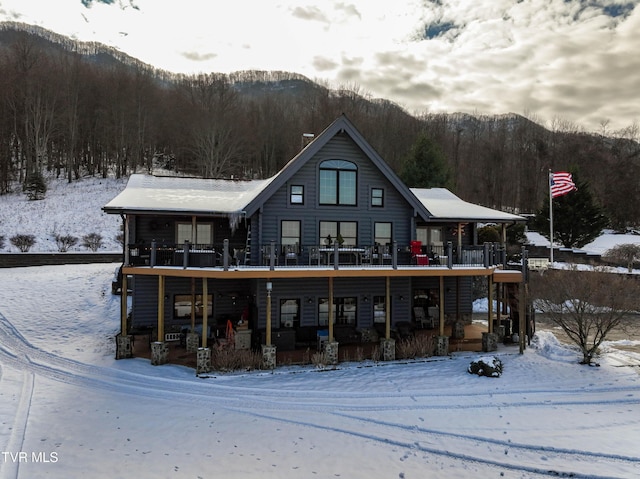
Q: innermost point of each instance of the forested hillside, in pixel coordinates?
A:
(78, 109)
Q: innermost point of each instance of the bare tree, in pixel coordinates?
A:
(586, 305)
(624, 253)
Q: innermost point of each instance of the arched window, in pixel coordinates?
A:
(338, 183)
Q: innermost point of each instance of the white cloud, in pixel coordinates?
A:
(553, 58)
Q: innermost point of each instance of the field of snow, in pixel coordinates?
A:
(69, 409)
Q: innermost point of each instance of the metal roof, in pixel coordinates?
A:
(174, 195)
(445, 206)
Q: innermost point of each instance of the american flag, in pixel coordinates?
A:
(561, 183)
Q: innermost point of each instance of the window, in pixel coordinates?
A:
(203, 233)
(182, 306)
(297, 195)
(379, 309)
(289, 313)
(290, 233)
(429, 235)
(345, 310)
(338, 183)
(382, 233)
(332, 230)
(377, 197)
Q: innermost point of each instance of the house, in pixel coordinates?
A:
(332, 249)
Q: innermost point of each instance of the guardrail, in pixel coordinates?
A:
(337, 256)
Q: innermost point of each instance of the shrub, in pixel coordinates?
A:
(92, 241)
(228, 359)
(421, 346)
(65, 242)
(23, 242)
(1, 241)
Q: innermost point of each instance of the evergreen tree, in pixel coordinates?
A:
(425, 166)
(577, 218)
(35, 187)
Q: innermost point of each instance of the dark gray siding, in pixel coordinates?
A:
(395, 210)
(309, 291)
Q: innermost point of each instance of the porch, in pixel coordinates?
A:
(304, 354)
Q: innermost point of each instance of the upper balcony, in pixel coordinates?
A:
(274, 256)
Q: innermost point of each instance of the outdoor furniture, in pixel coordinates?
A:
(422, 319)
(323, 338)
(314, 255)
(290, 254)
(348, 250)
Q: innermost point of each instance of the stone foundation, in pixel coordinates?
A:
(442, 345)
(388, 349)
(331, 352)
(193, 342)
(269, 356)
(123, 347)
(457, 330)
(203, 363)
(489, 342)
(159, 353)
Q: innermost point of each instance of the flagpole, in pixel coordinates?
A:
(550, 218)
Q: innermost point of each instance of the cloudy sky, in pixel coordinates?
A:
(574, 61)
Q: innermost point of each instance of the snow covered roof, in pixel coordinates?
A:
(185, 195)
(444, 205)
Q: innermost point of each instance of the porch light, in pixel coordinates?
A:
(269, 287)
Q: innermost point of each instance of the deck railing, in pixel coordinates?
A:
(274, 255)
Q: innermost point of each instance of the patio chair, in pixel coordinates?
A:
(314, 255)
(422, 319)
(290, 254)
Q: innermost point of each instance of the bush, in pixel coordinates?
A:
(65, 242)
(92, 241)
(1, 241)
(421, 346)
(228, 359)
(23, 242)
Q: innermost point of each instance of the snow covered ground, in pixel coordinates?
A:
(68, 409)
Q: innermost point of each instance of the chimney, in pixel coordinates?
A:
(306, 139)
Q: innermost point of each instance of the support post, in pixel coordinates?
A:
(387, 303)
(123, 304)
(205, 311)
(268, 325)
(490, 304)
(160, 309)
(330, 319)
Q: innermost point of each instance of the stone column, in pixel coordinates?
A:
(331, 352)
(193, 342)
(203, 363)
(489, 342)
(457, 330)
(388, 349)
(123, 346)
(442, 345)
(159, 353)
(269, 356)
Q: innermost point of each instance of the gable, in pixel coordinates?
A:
(339, 141)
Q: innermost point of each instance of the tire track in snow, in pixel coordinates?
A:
(19, 353)
(495, 454)
(9, 468)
